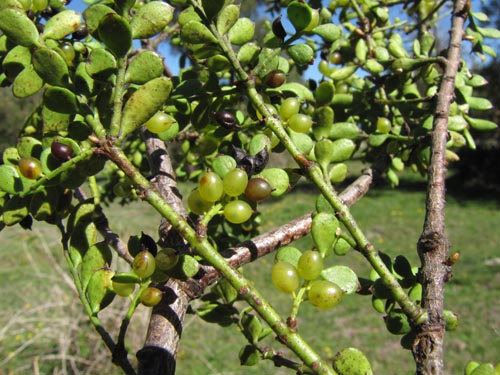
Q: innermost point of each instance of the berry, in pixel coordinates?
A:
(275, 78)
(226, 120)
(210, 187)
(235, 182)
(324, 294)
(61, 151)
(310, 265)
(289, 107)
(123, 289)
(81, 32)
(166, 259)
(258, 189)
(383, 125)
(278, 29)
(159, 123)
(30, 167)
(237, 211)
(299, 122)
(196, 204)
(151, 296)
(285, 277)
(144, 264)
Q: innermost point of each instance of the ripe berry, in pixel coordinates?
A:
(151, 296)
(258, 189)
(275, 78)
(226, 120)
(278, 29)
(81, 32)
(61, 151)
(30, 167)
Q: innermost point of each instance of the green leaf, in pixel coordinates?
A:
(11, 181)
(489, 32)
(299, 14)
(323, 229)
(288, 254)
(343, 276)
(341, 247)
(83, 237)
(27, 83)
(252, 327)
(352, 361)
(195, 32)
(242, 31)
(115, 33)
(61, 25)
(59, 99)
(480, 16)
(481, 124)
(101, 64)
(144, 103)
(337, 173)
(346, 130)
(227, 18)
(99, 291)
(477, 81)
(43, 205)
(94, 14)
(293, 89)
(484, 369)
(342, 73)
(248, 53)
(15, 210)
(95, 258)
(301, 53)
(277, 178)
(50, 66)
(324, 93)
(144, 67)
(302, 141)
(126, 278)
(15, 61)
(328, 32)
(151, 19)
(212, 7)
(479, 104)
(18, 27)
(29, 147)
(249, 355)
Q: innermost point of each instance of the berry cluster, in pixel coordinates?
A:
(234, 189)
(286, 277)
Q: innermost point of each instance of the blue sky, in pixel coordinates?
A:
(312, 72)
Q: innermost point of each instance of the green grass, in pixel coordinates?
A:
(38, 309)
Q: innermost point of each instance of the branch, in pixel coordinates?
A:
(428, 348)
(283, 235)
(159, 353)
